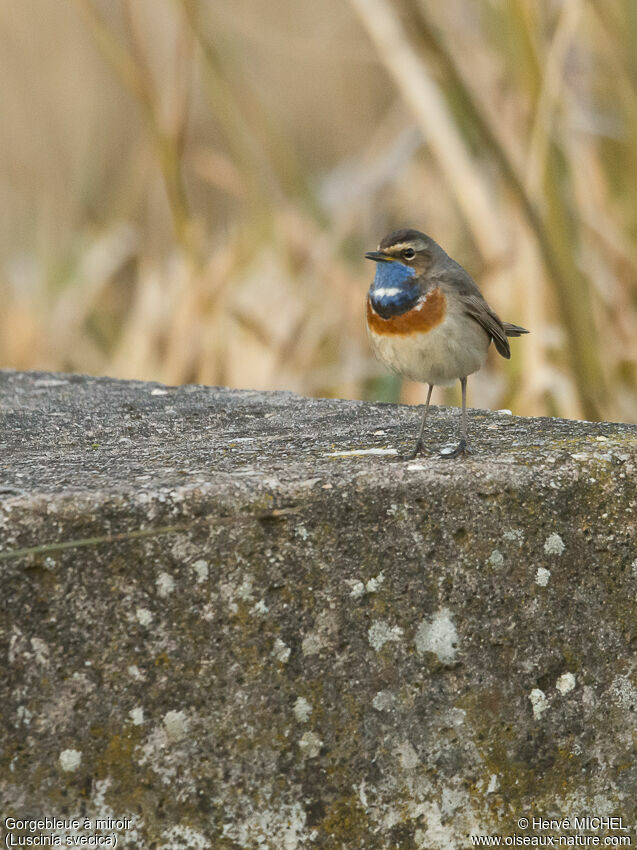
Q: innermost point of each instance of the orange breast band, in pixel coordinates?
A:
(420, 319)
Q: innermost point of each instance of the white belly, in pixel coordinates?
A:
(454, 349)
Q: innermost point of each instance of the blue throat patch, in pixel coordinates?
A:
(394, 290)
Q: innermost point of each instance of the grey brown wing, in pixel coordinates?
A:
(465, 288)
(514, 330)
(478, 309)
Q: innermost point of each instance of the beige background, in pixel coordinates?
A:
(187, 188)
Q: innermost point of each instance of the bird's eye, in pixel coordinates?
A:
(409, 253)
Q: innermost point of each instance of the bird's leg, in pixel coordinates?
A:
(463, 446)
(419, 447)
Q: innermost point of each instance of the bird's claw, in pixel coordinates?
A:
(419, 448)
(462, 448)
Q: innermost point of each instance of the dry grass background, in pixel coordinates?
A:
(187, 187)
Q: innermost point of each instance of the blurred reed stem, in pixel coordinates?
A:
(250, 138)
(133, 77)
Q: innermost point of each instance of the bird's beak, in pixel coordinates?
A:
(378, 257)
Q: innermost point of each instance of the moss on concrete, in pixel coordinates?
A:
(216, 628)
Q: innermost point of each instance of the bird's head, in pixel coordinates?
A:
(410, 248)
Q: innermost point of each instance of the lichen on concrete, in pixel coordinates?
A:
(227, 618)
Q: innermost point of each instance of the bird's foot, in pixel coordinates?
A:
(419, 448)
(462, 448)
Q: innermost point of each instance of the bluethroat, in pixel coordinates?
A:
(427, 319)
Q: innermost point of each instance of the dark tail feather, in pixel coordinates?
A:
(513, 330)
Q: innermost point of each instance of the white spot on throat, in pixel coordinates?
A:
(388, 291)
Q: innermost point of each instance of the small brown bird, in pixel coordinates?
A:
(427, 319)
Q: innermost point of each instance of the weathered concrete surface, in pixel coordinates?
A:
(214, 627)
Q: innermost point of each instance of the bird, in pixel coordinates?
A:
(428, 321)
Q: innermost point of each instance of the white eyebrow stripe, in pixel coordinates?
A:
(400, 246)
(388, 290)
